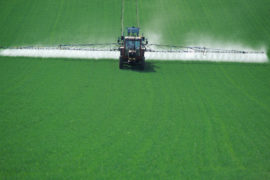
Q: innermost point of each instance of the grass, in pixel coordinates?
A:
(85, 119)
(177, 22)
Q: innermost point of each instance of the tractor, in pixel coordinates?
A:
(132, 48)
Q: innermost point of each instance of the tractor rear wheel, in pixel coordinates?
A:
(120, 63)
(142, 64)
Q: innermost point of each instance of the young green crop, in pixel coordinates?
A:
(85, 119)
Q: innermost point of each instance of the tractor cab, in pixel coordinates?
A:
(132, 48)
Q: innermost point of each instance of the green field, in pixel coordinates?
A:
(86, 119)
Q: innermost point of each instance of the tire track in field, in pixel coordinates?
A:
(264, 133)
(166, 14)
(198, 150)
(183, 131)
(245, 130)
(262, 81)
(204, 114)
(179, 22)
(226, 138)
(16, 36)
(29, 18)
(176, 127)
(259, 80)
(58, 15)
(206, 14)
(4, 29)
(240, 131)
(250, 97)
(258, 22)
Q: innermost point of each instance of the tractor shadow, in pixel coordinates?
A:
(150, 67)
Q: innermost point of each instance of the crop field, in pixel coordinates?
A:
(86, 119)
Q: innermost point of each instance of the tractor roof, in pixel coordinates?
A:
(133, 31)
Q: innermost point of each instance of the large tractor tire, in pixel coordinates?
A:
(121, 65)
(142, 65)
